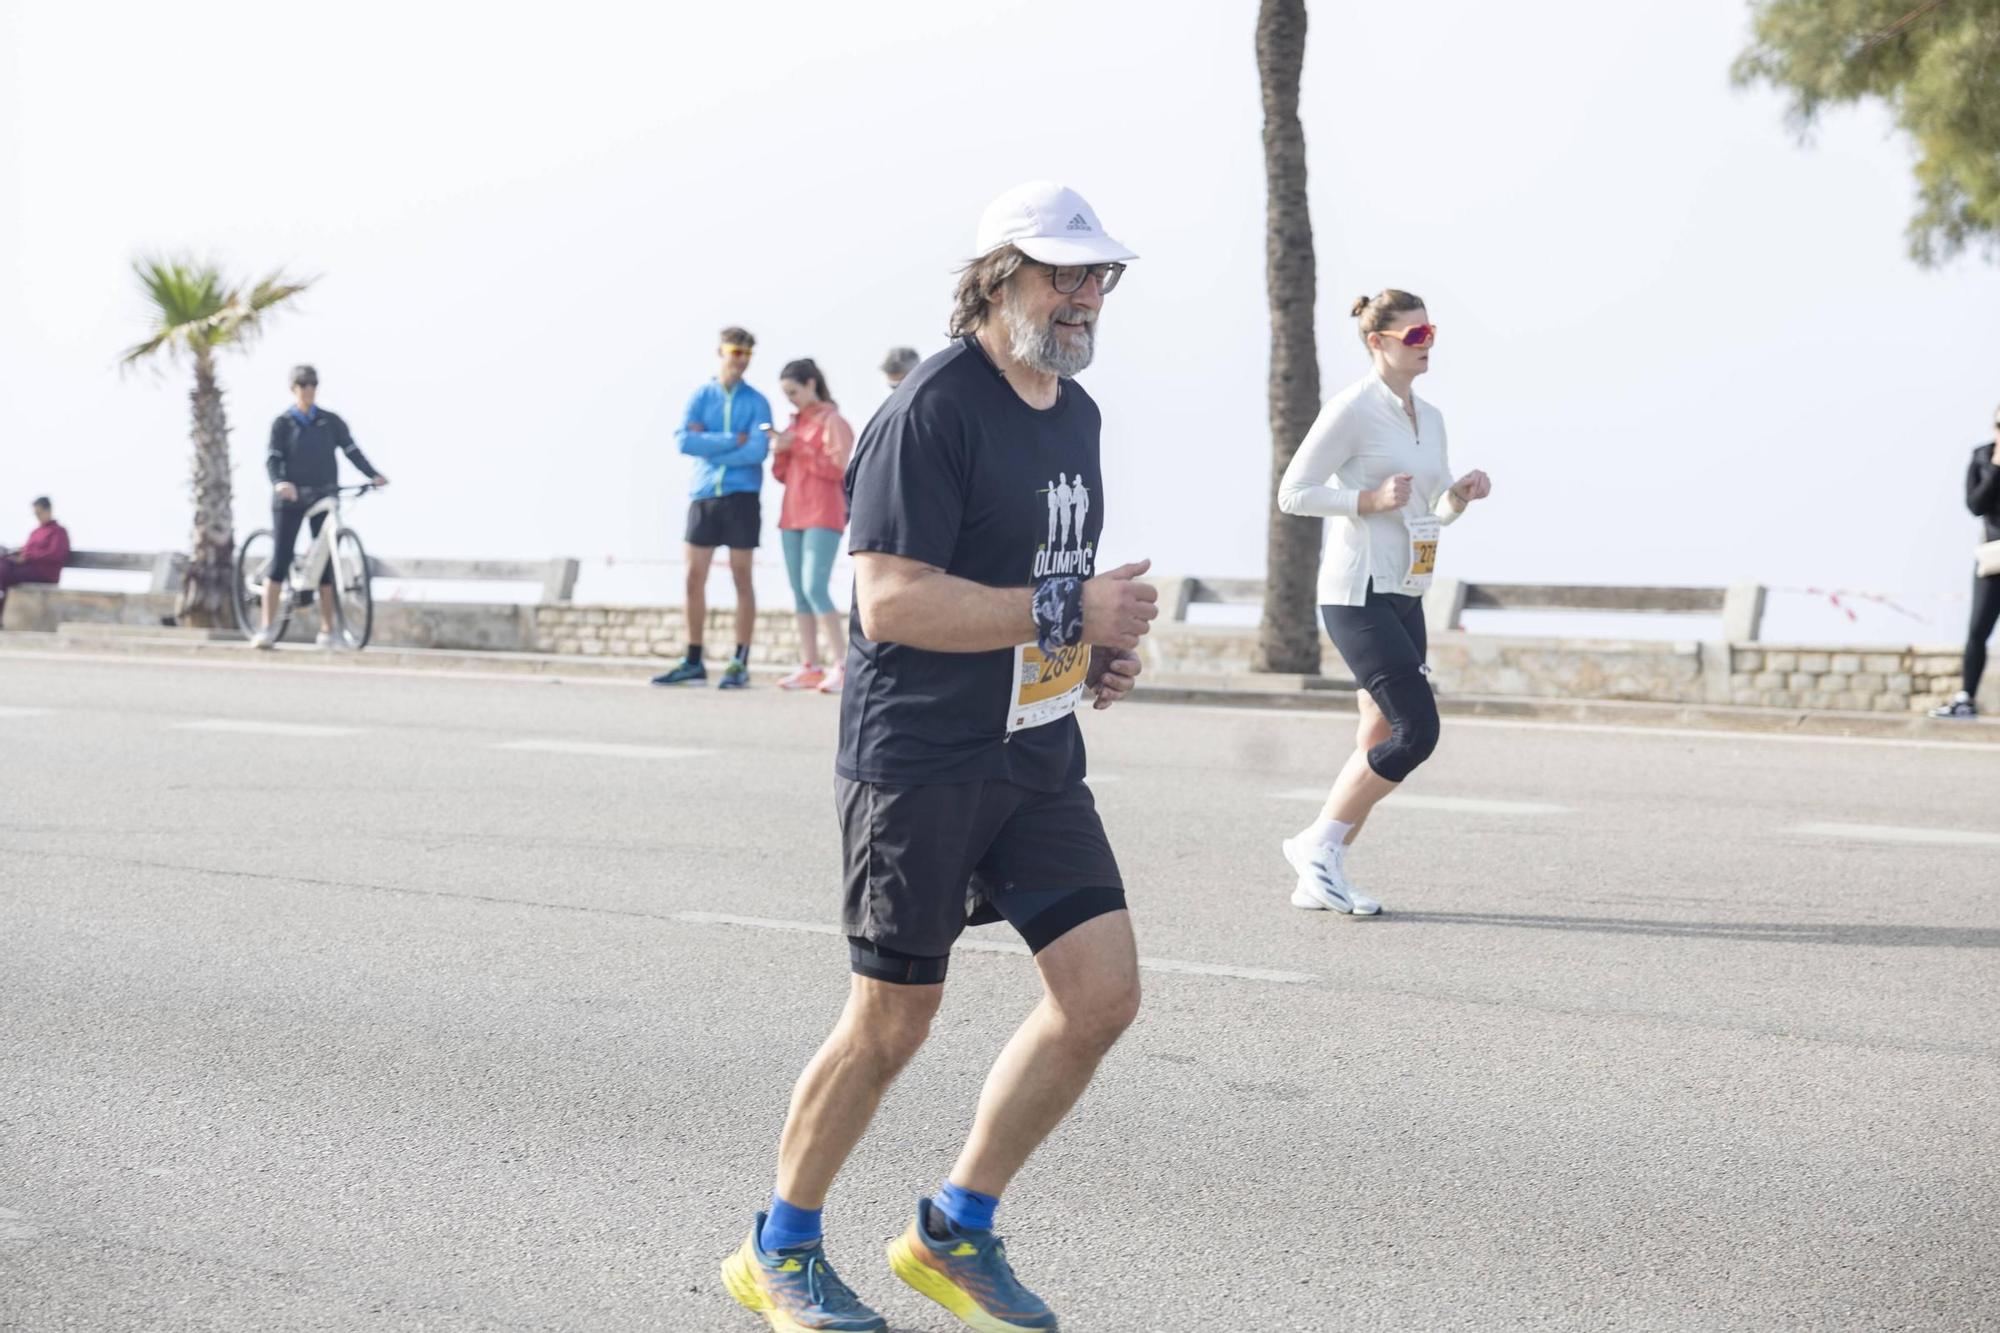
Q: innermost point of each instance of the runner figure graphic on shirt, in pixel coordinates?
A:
(1081, 496)
(1051, 493)
(1063, 498)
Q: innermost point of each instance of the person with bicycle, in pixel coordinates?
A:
(304, 470)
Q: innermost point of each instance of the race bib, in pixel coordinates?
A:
(1423, 530)
(1047, 688)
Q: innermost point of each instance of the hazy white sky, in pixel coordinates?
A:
(1687, 350)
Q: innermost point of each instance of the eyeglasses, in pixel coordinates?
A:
(732, 349)
(1069, 278)
(1417, 335)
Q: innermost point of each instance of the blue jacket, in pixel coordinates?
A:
(721, 465)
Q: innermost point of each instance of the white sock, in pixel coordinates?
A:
(1329, 832)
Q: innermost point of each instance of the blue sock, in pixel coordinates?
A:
(968, 1210)
(786, 1227)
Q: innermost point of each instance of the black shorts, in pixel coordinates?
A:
(925, 862)
(285, 522)
(726, 520)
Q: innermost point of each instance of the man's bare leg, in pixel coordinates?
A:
(698, 560)
(880, 1030)
(746, 595)
(1090, 981)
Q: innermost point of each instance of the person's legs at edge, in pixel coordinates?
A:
(1985, 616)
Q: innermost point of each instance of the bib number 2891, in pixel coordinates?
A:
(1047, 686)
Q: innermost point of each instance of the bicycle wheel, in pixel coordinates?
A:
(252, 559)
(354, 596)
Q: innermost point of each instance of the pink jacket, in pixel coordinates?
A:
(814, 469)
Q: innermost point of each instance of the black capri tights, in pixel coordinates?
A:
(285, 522)
(1382, 641)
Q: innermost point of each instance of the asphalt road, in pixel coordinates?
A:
(345, 1000)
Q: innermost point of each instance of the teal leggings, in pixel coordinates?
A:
(809, 555)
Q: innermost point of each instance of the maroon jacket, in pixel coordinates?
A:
(42, 558)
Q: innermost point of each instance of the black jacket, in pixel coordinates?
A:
(303, 455)
(1982, 490)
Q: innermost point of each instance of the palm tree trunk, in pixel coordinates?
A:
(1287, 634)
(205, 594)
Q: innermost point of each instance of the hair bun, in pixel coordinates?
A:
(1360, 304)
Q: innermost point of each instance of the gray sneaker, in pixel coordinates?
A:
(1961, 708)
(685, 674)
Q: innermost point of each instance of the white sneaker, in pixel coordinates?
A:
(1323, 884)
(264, 640)
(325, 640)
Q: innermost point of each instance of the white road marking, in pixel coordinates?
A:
(977, 945)
(1464, 805)
(247, 727)
(601, 749)
(1891, 833)
(8, 710)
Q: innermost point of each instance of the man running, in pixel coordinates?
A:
(723, 432)
(960, 772)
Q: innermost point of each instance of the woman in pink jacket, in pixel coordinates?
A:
(810, 458)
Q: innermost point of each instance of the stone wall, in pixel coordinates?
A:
(1877, 680)
(657, 631)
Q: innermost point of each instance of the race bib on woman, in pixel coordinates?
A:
(1423, 531)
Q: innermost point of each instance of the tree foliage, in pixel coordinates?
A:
(1934, 63)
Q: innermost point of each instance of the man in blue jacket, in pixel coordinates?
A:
(723, 431)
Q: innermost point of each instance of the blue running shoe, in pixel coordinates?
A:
(795, 1289)
(735, 676)
(683, 674)
(967, 1274)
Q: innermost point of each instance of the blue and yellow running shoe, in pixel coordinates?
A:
(795, 1289)
(967, 1273)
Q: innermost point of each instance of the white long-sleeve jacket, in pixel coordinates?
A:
(1362, 438)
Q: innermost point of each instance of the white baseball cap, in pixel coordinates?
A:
(1047, 222)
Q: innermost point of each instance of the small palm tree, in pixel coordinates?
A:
(195, 313)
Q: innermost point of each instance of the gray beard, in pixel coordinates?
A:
(1040, 348)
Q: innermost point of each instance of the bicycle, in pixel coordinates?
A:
(353, 593)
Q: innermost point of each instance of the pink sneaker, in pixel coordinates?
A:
(807, 677)
(834, 680)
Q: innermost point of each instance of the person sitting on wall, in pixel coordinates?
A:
(41, 558)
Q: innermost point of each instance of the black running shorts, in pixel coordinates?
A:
(924, 862)
(734, 521)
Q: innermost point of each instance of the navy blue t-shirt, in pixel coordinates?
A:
(958, 472)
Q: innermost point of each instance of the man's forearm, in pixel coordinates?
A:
(943, 614)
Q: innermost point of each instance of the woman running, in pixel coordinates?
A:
(810, 458)
(1374, 466)
(1982, 497)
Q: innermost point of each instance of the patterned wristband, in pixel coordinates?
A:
(1058, 614)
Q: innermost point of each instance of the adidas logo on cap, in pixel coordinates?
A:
(1079, 223)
